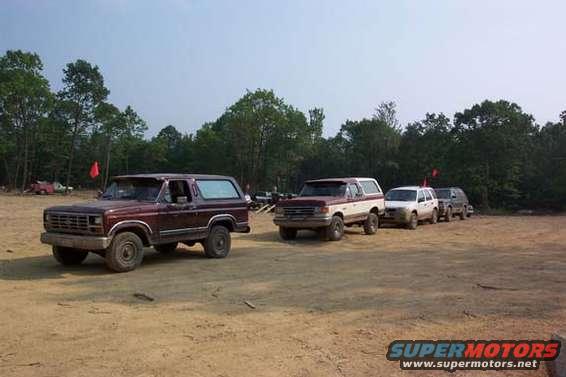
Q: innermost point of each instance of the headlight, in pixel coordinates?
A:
(321, 209)
(95, 220)
(279, 210)
(46, 217)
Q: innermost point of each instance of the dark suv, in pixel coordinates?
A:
(452, 201)
(158, 210)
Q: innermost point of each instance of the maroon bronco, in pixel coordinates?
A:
(158, 210)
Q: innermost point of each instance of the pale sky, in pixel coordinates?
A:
(183, 62)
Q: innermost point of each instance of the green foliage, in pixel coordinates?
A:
(493, 150)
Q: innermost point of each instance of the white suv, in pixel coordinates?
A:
(407, 205)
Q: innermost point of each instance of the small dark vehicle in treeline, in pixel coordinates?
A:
(158, 210)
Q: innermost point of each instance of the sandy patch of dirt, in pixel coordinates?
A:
(321, 309)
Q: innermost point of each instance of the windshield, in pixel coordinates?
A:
(324, 189)
(401, 195)
(145, 190)
(443, 194)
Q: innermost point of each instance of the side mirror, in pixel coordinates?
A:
(182, 200)
(454, 196)
(421, 200)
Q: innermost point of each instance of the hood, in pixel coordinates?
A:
(101, 206)
(309, 201)
(397, 204)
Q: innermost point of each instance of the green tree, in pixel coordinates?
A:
(25, 100)
(494, 140)
(83, 90)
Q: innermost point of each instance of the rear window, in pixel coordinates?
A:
(370, 187)
(217, 189)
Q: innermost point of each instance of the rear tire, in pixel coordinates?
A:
(125, 253)
(448, 216)
(371, 224)
(68, 256)
(413, 222)
(287, 233)
(335, 230)
(434, 217)
(218, 242)
(166, 248)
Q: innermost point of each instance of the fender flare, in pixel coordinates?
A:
(131, 224)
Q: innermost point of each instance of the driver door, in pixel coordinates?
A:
(177, 213)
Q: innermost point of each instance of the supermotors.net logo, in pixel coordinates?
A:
(452, 355)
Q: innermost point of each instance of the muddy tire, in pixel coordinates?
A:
(68, 256)
(125, 253)
(371, 224)
(335, 230)
(448, 216)
(413, 222)
(287, 233)
(434, 217)
(218, 242)
(464, 213)
(166, 248)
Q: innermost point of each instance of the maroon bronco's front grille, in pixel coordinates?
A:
(68, 222)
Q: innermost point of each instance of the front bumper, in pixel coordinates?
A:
(303, 223)
(76, 241)
(398, 216)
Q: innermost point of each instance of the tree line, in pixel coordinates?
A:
(494, 150)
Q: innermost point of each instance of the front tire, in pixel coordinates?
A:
(371, 224)
(448, 216)
(287, 233)
(218, 242)
(68, 256)
(413, 221)
(464, 213)
(335, 230)
(125, 253)
(166, 248)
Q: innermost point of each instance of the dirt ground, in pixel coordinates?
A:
(321, 309)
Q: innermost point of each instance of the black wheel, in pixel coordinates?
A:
(43, 192)
(335, 230)
(68, 256)
(166, 248)
(371, 224)
(434, 217)
(287, 233)
(125, 253)
(218, 242)
(413, 222)
(448, 216)
(464, 213)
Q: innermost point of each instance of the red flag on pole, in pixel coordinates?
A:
(435, 172)
(94, 172)
(425, 183)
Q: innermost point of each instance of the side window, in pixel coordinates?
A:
(428, 195)
(421, 197)
(175, 189)
(370, 187)
(217, 189)
(433, 193)
(353, 190)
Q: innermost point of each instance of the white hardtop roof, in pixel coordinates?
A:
(410, 188)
